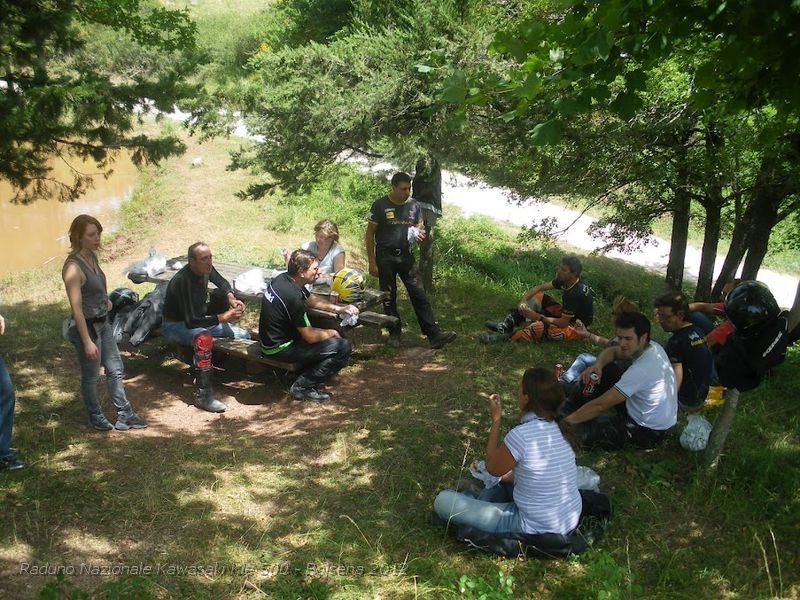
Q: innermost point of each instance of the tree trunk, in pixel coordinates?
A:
(679, 240)
(428, 193)
(426, 259)
(712, 203)
(680, 226)
(708, 256)
(722, 427)
(740, 239)
(768, 200)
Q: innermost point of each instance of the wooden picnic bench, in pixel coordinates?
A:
(250, 352)
(231, 271)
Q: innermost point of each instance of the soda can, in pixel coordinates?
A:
(559, 370)
(334, 297)
(590, 387)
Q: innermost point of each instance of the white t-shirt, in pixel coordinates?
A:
(545, 477)
(651, 396)
(326, 263)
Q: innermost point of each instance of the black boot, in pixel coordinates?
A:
(204, 397)
(508, 324)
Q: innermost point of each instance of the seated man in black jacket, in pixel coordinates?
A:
(286, 332)
(186, 307)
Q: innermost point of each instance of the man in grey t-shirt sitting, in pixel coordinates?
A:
(643, 405)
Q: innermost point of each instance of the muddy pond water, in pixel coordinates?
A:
(36, 234)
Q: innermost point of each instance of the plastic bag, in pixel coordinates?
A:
(150, 266)
(250, 282)
(588, 479)
(349, 320)
(154, 263)
(479, 471)
(695, 436)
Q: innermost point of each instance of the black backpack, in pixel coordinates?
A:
(744, 359)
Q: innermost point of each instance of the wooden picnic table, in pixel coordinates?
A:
(230, 271)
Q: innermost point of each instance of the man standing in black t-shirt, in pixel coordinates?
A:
(687, 350)
(286, 332)
(395, 223)
(549, 320)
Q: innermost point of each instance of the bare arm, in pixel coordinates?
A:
(595, 407)
(339, 262)
(313, 335)
(542, 287)
(531, 314)
(498, 458)
(314, 301)
(557, 321)
(605, 357)
(678, 368)
(370, 243)
(581, 330)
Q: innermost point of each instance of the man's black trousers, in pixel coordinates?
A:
(390, 266)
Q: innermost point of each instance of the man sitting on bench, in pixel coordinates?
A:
(187, 310)
(286, 332)
(191, 320)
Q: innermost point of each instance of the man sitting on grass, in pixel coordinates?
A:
(687, 350)
(550, 320)
(286, 332)
(642, 406)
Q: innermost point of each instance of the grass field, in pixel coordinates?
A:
(276, 499)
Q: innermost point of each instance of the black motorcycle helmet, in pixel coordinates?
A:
(122, 297)
(749, 305)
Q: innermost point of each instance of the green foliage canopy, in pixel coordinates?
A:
(360, 91)
(738, 54)
(76, 76)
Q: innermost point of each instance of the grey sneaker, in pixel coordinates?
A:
(130, 421)
(494, 338)
(100, 423)
(441, 339)
(11, 463)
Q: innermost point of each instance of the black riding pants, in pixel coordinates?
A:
(390, 266)
(320, 361)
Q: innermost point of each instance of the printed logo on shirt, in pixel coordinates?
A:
(389, 214)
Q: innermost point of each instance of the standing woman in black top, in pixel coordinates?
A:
(90, 331)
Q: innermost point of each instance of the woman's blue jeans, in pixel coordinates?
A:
(90, 370)
(491, 510)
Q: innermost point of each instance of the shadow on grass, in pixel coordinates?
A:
(286, 499)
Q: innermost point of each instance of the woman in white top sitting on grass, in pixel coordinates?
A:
(537, 456)
(328, 250)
